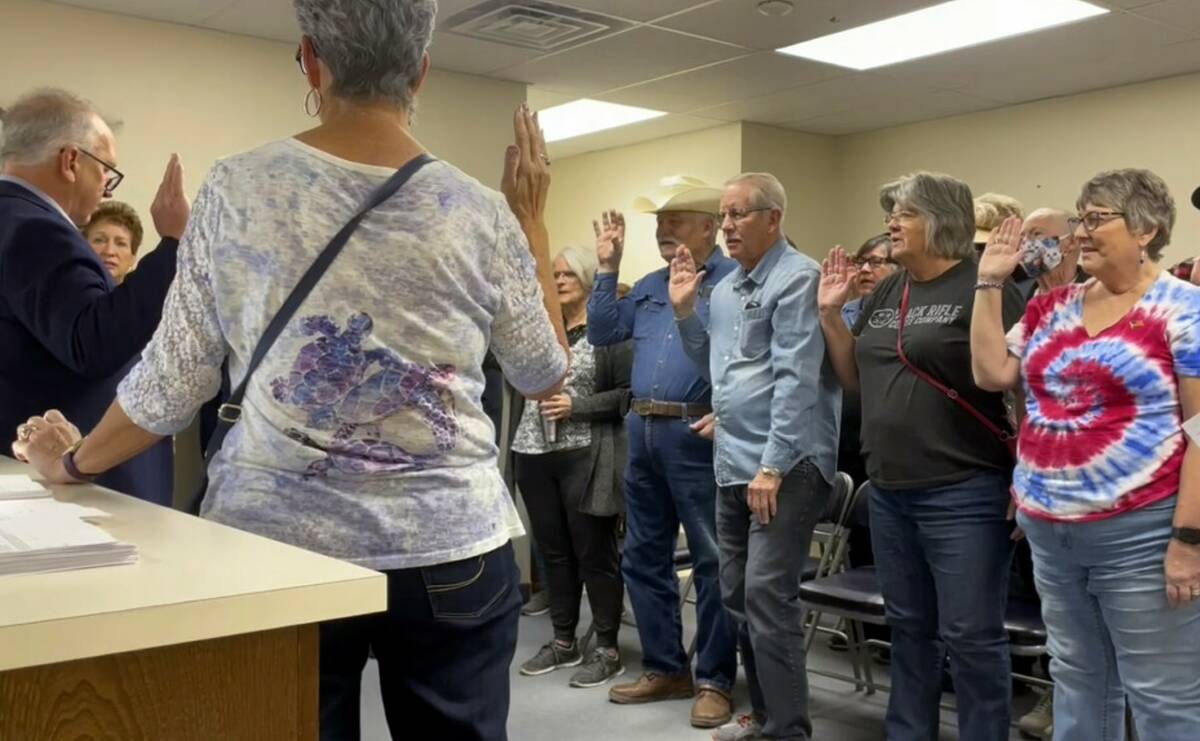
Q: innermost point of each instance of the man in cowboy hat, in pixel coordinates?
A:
(669, 479)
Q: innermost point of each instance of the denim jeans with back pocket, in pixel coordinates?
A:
(444, 648)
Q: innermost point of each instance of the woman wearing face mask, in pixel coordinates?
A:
(569, 462)
(1107, 483)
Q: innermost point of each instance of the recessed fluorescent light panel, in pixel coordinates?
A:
(586, 116)
(940, 28)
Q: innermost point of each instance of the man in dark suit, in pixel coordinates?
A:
(68, 333)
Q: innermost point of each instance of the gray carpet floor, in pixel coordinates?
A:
(545, 709)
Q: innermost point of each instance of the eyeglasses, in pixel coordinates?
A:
(874, 262)
(1093, 220)
(904, 215)
(113, 176)
(739, 214)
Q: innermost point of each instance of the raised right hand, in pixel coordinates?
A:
(171, 208)
(1003, 252)
(837, 281)
(525, 181)
(684, 283)
(610, 240)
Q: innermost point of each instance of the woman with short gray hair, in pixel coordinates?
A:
(362, 435)
(1107, 482)
(937, 458)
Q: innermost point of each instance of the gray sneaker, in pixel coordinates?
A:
(552, 656)
(742, 728)
(538, 604)
(601, 667)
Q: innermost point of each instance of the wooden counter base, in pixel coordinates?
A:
(256, 686)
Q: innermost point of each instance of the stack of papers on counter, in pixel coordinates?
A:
(39, 534)
(20, 487)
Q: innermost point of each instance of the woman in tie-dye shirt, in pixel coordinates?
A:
(1107, 484)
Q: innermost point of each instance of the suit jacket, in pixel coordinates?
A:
(605, 410)
(68, 334)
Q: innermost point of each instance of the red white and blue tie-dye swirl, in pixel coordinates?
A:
(1102, 432)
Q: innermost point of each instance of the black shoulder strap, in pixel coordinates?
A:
(231, 410)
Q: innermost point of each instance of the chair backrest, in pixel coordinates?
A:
(831, 533)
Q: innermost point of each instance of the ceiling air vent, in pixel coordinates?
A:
(544, 27)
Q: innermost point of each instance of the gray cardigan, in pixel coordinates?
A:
(605, 410)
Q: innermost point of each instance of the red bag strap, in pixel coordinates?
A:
(1004, 435)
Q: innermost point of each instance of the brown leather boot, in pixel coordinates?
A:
(712, 708)
(652, 687)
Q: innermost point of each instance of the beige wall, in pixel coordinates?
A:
(586, 184)
(1040, 153)
(207, 94)
(806, 166)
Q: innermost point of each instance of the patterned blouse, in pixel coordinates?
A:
(1102, 431)
(362, 435)
(581, 382)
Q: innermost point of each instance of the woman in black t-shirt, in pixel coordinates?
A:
(939, 466)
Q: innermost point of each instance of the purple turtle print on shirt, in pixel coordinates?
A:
(350, 391)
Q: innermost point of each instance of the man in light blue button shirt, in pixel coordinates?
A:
(776, 404)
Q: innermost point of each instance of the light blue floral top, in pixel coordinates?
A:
(362, 435)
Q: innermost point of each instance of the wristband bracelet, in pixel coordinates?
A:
(68, 461)
(988, 284)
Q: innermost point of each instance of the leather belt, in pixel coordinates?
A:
(651, 408)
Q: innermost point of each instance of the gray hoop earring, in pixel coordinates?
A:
(308, 107)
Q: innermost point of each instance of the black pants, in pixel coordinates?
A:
(578, 549)
(444, 648)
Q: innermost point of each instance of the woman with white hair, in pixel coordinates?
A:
(361, 434)
(1107, 482)
(569, 462)
(937, 455)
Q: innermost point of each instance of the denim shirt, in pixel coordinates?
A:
(776, 399)
(662, 370)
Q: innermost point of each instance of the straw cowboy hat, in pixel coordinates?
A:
(681, 193)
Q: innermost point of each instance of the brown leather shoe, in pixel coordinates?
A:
(712, 708)
(652, 687)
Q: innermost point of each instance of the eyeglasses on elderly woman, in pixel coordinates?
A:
(1093, 220)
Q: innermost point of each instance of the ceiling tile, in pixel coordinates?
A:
(859, 90)
(751, 76)
(739, 22)
(190, 12)
(894, 110)
(634, 10)
(457, 53)
(1183, 14)
(1100, 52)
(617, 61)
(619, 137)
(1124, 4)
(268, 19)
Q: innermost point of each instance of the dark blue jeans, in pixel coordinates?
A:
(943, 556)
(669, 481)
(444, 647)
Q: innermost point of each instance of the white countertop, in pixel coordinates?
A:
(194, 580)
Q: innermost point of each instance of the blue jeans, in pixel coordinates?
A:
(1111, 633)
(669, 481)
(445, 646)
(943, 556)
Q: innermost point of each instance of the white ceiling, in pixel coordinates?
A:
(708, 62)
